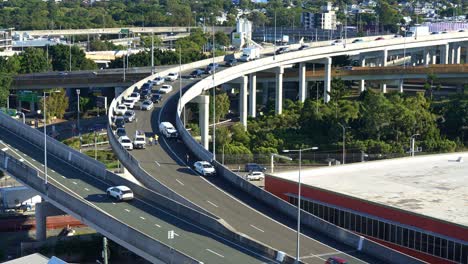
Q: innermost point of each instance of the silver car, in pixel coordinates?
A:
(147, 105)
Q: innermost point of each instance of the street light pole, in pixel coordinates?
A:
(299, 199)
(152, 52)
(45, 142)
(412, 144)
(344, 142)
(214, 98)
(274, 41)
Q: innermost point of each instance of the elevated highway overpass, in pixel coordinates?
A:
(77, 185)
(167, 169)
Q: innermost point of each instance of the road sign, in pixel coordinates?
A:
(124, 31)
(101, 102)
(28, 96)
(170, 234)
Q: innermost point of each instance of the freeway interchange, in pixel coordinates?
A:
(167, 163)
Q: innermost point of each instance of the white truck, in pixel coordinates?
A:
(18, 198)
(139, 142)
(418, 31)
(250, 53)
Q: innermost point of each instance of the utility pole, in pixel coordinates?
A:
(152, 52)
(105, 250)
(214, 99)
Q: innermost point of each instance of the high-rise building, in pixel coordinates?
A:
(324, 20)
(5, 39)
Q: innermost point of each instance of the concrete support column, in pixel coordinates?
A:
(434, 58)
(362, 82)
(243, 101)
(452, 55)
(383, 87)
(400, 86)
(253, 95)
(458, 54)
(466, 54)
(327, 80)
(427, 57)
(204, 117)
(384, 58)
(279, 91)
(444, 54)
(302, 82)
(43, 210)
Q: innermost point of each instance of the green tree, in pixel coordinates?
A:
(222, 39)
(33, 60)
(56, 103)
(223, 136)
(61, 58)
(222, 105)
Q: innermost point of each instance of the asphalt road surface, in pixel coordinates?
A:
(167, 163)
(139, 214)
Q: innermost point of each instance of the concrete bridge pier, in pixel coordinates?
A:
(384, 57)
(427, 57)
(243, 100)
(327, 80)
(362, 82)
(253, 95)
(434, 57)
(452, 54)
(302, 82)
(279, 90)
(444, 54)
(43, 210)
(383, 87)
(400, 85)
(457, 54)
(203, 116)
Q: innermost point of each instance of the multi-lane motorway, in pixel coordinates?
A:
(167, 163)
(139, 214)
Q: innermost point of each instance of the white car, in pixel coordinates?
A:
(172, 76)
(121, 193)
(165, 89)
(134, 96)
(129, 103)
(120, 109)
(126, 142)
(204, 168)
(255, 176)
(147, 105)
(158, 80)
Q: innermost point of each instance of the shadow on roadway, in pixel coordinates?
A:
(99, 198)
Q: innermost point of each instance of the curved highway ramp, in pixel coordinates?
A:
(141, 225)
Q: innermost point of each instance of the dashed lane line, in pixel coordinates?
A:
(181, 183)
(211, 251)
(257, 228)
(213, 204)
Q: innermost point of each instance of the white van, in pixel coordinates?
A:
(168, 130)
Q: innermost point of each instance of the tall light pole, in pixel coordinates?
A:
(404, 47)
(346, 25)
(214, 99)
(412, 144)
(70, 55)
(78, 115)
(299, 198)
(344, 142)
(274, 41)
(45, 142)
(180, 76)
(152, 52)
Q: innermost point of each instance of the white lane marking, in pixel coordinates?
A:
(52, 170)
(42, 165)
(63, 177)
(74, 183)
(211, 251)
(4, 149)
(257, 228)
(127, 210)
(157, 225)
(181, 183)
(113, 203)
(157, 163)
(213, 204)
(86, 189)
(142, 218)
(175, 234)
(21, 160)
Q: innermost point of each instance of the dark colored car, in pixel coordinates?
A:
(156, 98)
(119, 122)
(303, 47)
(380, 38)
(336, 260)
(145, 94)
(212, 66)
(120, 132)
(254, 167)
(282, 50)
(231, 62)
(196, 73)
(146, 86)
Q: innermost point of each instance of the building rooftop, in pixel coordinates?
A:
(432, 185)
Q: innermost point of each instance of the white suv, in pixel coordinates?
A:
(126, 142)
(165, 89)
(172, 76)
(134, 96)
(255, 176)
(204, 168)
(120, 109)
(120, 193)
